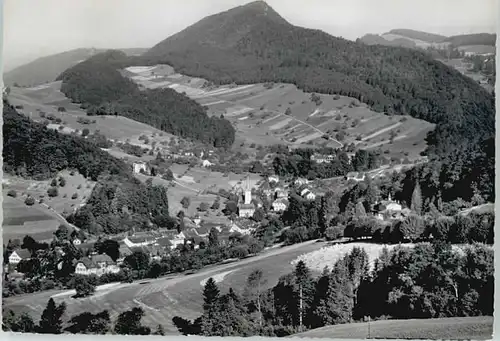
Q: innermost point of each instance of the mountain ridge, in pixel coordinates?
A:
(389, 79)
(47, 68)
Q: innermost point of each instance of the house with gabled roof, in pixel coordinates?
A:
(280, 205)
(18, 255)
(96, 265)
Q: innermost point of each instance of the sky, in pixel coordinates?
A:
(36, 28)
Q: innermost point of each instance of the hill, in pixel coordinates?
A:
(253, 44)
(98, 85)
(375, 39)
(420, 35)
(118, 201)
(473, 39)
(46, 69)
(476, 328)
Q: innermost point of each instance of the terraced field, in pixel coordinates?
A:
(258, 114)
(175, 295)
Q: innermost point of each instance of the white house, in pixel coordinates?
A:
(19, 255)
(355, 176)
(177, 240)
(319, 158)
(76, 241)
(280, 205)
(301, 181)
(273, 178)
(307, 194)
(96, 265)
(206, 163)
(138, 166)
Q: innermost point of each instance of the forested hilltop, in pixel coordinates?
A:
(118, 201)
(253, 44)
(98, 85)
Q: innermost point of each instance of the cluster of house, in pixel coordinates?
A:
(154, 243)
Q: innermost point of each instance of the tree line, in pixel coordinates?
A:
(52, 322)
(298, 163)
(427, 281)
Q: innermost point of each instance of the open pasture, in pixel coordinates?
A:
(452, 328)
(258, 114)
(174, 295)
(20, 220)
(45, 102)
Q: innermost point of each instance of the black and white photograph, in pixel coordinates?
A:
(236, 168)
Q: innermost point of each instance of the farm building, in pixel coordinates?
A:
(19, 255)
(356, 176)
(280, 205)
(140, 166)
(96, 265)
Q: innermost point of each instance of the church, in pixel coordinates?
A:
(247, 208)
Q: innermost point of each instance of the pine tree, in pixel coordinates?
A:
(51, 320)
(416, 199)
(303, 277)
(210, 295)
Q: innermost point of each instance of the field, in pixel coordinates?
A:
(328, 255)
(195, 183)
(463, 328)
(258, 114)
(174, 295)
(45, 99)
(41, 219)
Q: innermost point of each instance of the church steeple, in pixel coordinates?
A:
(248, 191)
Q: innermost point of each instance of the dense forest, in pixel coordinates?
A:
(100, 88)
(427, 281)
(118, 201)
(34, 151)
(252, 44)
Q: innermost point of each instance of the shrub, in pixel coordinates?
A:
(85, 132)
(74, 196)
(12, 193)
(54, 183)
(62, 181)
(61, 109)
(30, 201)
(52, 192)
